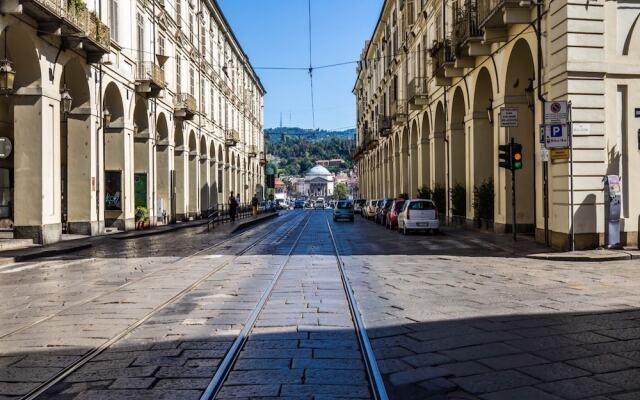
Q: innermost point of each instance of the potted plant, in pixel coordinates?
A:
(142, 217)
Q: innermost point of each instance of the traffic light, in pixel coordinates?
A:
(516, 156)
(505, 155)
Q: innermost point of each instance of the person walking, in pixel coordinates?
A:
(254, 204)
(233, 207)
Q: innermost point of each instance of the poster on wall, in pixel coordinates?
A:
(140, 186)
(113, 190)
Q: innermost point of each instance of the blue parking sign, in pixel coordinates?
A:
(556, 131)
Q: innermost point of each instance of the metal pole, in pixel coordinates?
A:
(513, 193)
(571, 221)
(545, 183)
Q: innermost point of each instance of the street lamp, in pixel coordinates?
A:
(490, 111)
(7, 77)
(529, 93)
(106, 117)
(66, 100)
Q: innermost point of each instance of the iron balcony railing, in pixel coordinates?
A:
(488, 8)
(231, 137)
(152, 72)
(78, 17)
(417, 89)
(465, 23)
(384, 125)
(442, 54)
(184, 105)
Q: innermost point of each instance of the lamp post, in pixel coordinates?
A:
(7, 71)
(490, 111)
(65, 100)
(106, 117)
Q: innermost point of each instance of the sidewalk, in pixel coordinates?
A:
(527, 247)
(33, 252)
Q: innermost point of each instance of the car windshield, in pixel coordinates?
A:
(344, 205)
(388, 203)
(421, 205)
(399, 205)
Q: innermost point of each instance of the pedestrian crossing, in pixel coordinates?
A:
(445, 243)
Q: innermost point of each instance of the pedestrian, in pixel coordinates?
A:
(233, 206)
(254, 204)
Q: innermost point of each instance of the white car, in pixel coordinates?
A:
(369, 209)
(418, 215)
(319, 203)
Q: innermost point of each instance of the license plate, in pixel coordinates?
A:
(422, 224)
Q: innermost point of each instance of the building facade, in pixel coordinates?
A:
(435, 74)
(122, 105)
(318, 182)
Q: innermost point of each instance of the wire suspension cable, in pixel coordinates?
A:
(313, 111)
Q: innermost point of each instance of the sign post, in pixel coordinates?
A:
(509, 119)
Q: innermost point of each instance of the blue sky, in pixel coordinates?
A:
(274, 33)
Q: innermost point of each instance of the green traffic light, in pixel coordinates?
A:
(517, 165)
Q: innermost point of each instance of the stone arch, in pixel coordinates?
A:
(77, 153)
(164, 177)
(115, 181)
(439, 148)
(193, 175)
(142, 157)
(204, 176)
(414, 158)
(22, 52)
(458, 154)
(482, 141)
(425, 153)
(631, 44)
(520, 77)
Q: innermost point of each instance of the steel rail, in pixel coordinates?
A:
(67, 371)
(369, 358)
(230, 358)
(232, 238)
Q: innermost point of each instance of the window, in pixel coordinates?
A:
(113, 19)
(192, 81)
(179, 12)
(191, 28)
(421, 205)
(178, 73)
(212, 105)
(140, 36)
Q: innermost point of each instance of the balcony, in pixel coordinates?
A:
(263, 159)
(184, 106)
(417, 93)
(384, 125)
(494, 16)
(253, 151)
(399, 114)
(231, 138)
(443, 59)
(78, 27)
(467, 35)
(149, 79)
(369, 142)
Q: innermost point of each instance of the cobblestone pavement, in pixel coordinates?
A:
(304, 343)
(62, 310)
(454, 317)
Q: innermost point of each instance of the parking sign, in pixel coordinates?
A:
(556, 136)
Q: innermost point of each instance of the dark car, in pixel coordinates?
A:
(298, 204)
(382, 210)
(343, 210)
(392, 215)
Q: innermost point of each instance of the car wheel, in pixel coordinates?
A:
(404, 230)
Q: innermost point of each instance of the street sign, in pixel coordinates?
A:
(556, 136)
(559, 154)
(544, 154)
(580, 129)
(637, 111)
(508, 117)
(555, 112)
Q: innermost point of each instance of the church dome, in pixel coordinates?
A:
(318, 170)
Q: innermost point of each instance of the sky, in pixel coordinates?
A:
(274, 33)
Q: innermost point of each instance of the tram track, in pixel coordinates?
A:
(83, 302)
(375, 381)
(288, 227)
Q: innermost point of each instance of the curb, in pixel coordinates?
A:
(157, 231)
(42, 254)
(253, 222)
(582, 258)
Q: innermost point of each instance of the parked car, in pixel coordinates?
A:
(379, 205)
(383, 209)
(418, 215)
(370, 210)
(299, 204)
(358, 205)
(319, 203)
(343, 210)
(392, 216)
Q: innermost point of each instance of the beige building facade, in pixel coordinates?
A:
(117, 105)
(435, 74)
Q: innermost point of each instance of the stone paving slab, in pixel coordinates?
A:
(491, 325)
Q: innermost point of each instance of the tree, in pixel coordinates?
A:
(341, 191)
